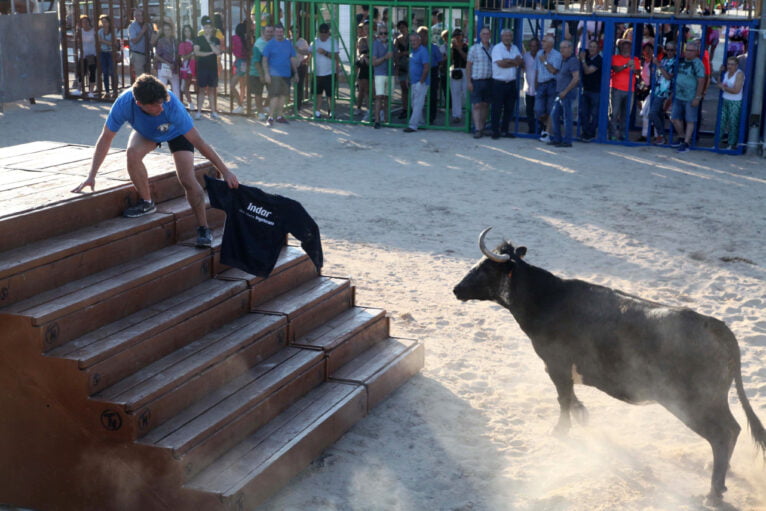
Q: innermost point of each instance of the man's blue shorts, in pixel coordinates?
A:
(684, 111)
(482, 91)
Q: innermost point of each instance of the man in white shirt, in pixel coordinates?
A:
(324, 51)
(506, 59)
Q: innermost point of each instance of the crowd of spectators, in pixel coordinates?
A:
(553, 86)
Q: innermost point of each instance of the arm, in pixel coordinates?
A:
(700, 90)
(265, 65)
(739, 81)
(208, 152)
(426, 70)
(468, 69)
(100, 152)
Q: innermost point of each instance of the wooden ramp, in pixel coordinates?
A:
(138, 372)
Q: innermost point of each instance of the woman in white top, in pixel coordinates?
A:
(86, 41)
(530, 74)
(731, 84)
(107, 45)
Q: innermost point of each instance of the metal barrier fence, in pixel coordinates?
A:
(739, 35)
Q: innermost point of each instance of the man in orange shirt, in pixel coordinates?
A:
(622, 85)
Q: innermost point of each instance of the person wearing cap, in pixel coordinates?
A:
(324, 52)
(157, 115)
(547, 66)
(459, 50)
(207, 47)
(624, 69)
(478, 73)
(690, 89)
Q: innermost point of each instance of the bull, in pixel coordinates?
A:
(633, 349)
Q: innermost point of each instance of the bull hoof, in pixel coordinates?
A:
(580, 414)
(561, 430)
(714, 499)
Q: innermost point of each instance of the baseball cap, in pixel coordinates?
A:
(206, 20)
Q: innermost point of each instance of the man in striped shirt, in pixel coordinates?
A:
(478, 71)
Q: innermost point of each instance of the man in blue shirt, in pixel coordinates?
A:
(420, 78)
(156, 116)
(279, 63)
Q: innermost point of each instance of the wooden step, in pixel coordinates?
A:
(261, 464)
(65, 313)
(293, 268)
(118, 349)
(50, 263)
(383, 367)
(186, 222)
(220, 420)
(310, 304)
(347, 335)
(160, 390)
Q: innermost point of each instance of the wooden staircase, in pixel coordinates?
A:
(138, 372)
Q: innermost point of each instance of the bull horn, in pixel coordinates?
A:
(498, 258)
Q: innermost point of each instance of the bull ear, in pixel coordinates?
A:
(521, 252)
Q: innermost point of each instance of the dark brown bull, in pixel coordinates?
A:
(632, 349)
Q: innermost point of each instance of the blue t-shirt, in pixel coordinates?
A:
(418, 60)
(279, 54)
(379, 49)
(174, 120)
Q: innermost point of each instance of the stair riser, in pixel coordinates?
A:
(263, 290)
(145, 351)
(198, 455)
(85, 319)
(356, 344)
(306, 320)
(401, 370)
(294, 460)
(28, 283)
(176, 399)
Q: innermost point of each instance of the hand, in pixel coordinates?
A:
(91, 181)
(470, 86)
(296, 77)
(231, 179)
(695, 102)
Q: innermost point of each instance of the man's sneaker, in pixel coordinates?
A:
(238, 110)
(143, 207)
(377, 125)
(214, 115)
(676, 144)
(270, 121)
(204, 237)
(317, 114)
(198, 116)
(282, 120)
(683, 148)
(544, 137)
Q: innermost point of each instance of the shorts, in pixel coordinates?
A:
(545, 94)
(684, 111)
(279, 86)
(180, 143)
(324, 84)
(240, 68)
(382, 85)
(255, 84)
(138, 61)
(207, 77)
(482, 91)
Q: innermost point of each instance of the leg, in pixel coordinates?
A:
(568, 121)
(556, 114)
(568, 402)
(419, 91)
(529, 102)
(138, 148)
(195, 195)
(497, 108)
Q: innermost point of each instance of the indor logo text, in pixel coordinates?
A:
(258, 210)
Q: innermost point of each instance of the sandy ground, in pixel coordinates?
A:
(400, 214)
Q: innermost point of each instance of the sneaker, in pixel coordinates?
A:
(377, 125)
(683, 148)
(282, 120)
(261, 116)
(676, 144)
(317, 114)
(270, 121)
(457, 120)
(586, 139)
(198, 116)
(478, 134)
(641, 139)
(659, 140)
(238, 110)
(141, 208)
(409, 130)
(508, 135)
(214, 115)
(204, 237)
(563, 144)
(545, 137)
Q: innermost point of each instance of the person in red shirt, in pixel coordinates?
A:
(624, 69)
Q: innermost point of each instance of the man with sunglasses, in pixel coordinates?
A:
(383, 68)
(324, 51)
(690, 87)
(665, 69)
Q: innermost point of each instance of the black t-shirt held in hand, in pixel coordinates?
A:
(256, 225)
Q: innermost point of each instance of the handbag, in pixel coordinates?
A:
(457, 74)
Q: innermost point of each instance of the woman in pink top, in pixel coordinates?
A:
(185, 72)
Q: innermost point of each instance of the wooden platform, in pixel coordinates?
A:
(138, 372)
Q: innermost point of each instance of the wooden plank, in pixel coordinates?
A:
(140, 351)
(311, 317)
(30, 147)
(251, 457)
(49, 264)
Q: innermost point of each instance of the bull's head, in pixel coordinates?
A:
(490, 279)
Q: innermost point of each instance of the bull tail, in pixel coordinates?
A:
(757, 430)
